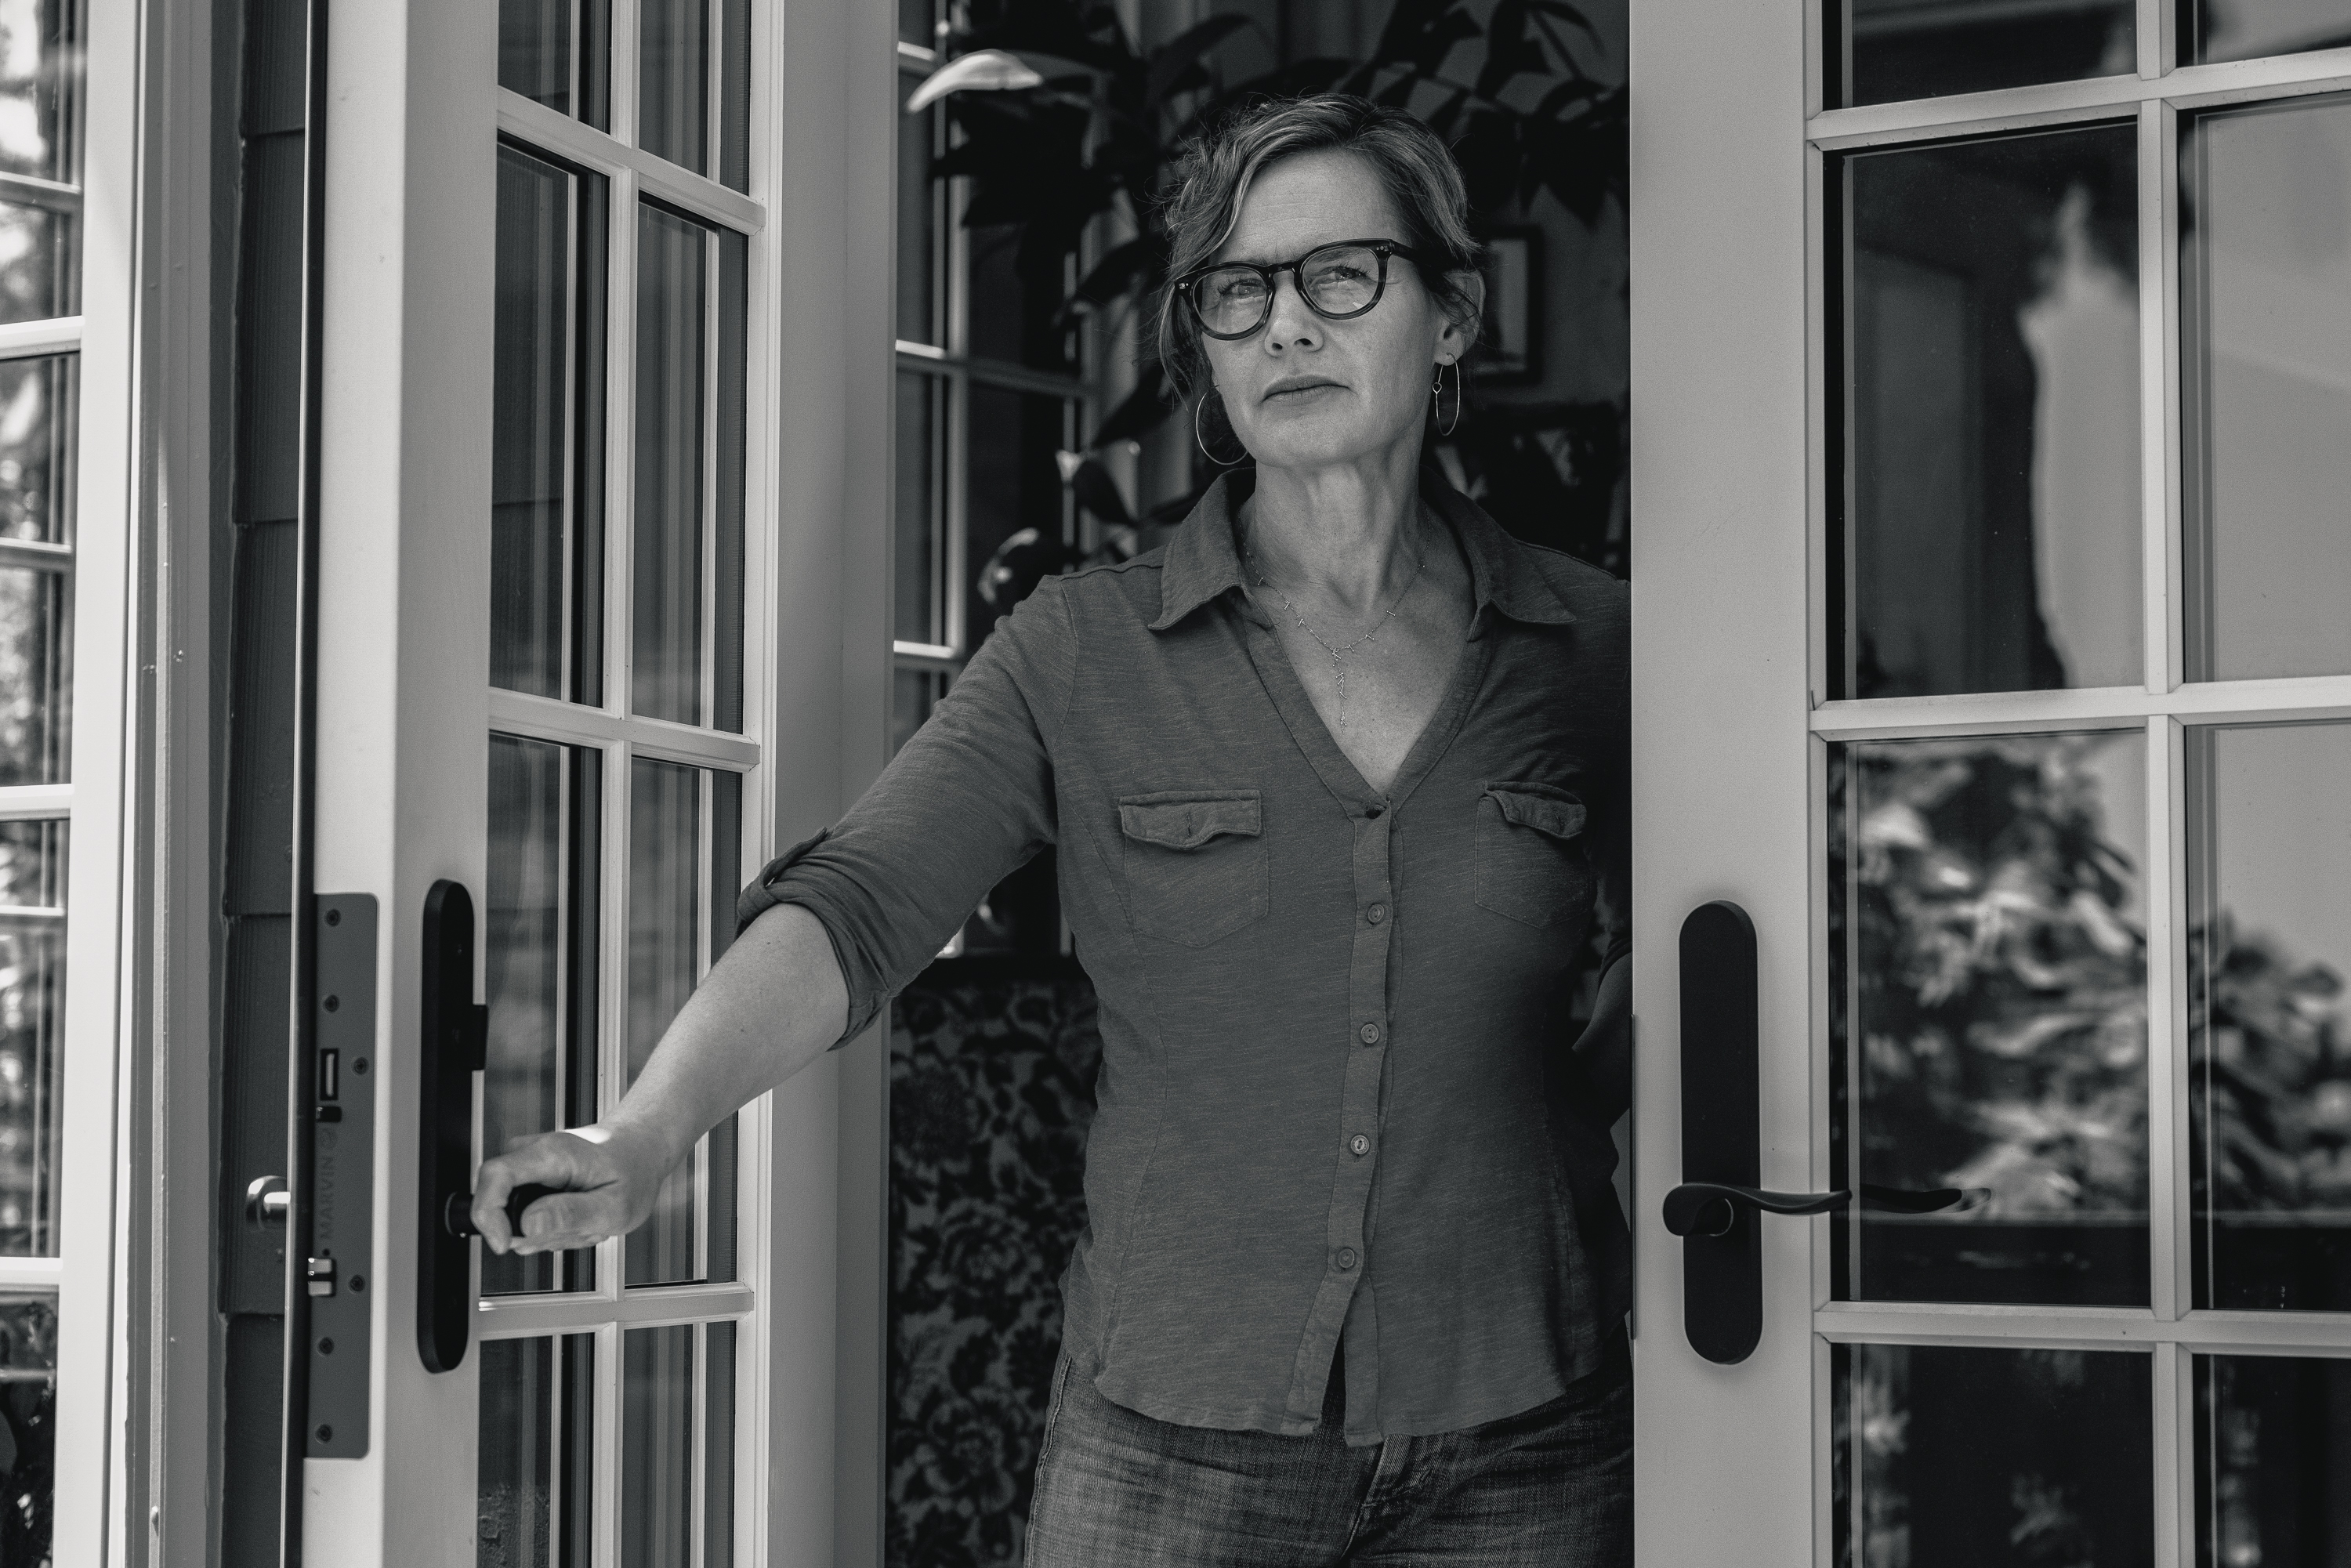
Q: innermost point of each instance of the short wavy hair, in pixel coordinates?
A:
(1213, 174)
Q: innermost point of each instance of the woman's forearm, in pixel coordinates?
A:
(772, 1006)
(1604, 1050)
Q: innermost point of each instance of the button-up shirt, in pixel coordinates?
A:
(1336, 1097)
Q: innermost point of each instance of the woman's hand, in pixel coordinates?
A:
(606, 1175)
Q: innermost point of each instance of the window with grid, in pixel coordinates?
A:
(2084, 277)
(628, 236)
(40, 338)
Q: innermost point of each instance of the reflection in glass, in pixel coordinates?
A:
(2266, 296)
(2273, 1446)
(29, 1417)
(2269, 890)
(657, 1448)
(539, 953)
(534, 50)
(547, 447)
(735, 94)
(921, 201)
(914, 694)
(1013, 486)
(916, 23)
(1986, 422)
(35, 646)
(684, 446)
(39, 399)
(40, 263)
(1961, 1458)
(32, 1003)
(673, 81)
(1881, 50)
(533, 1506)
(672, 429)
(2243, 30)
(921, 557)
(1988, 1014)
(681, 898)
(40, 88)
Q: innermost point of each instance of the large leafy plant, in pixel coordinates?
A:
(1064, 120)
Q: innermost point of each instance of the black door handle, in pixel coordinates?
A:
(1711, 1209)
(454, 1033)
(457, 1212)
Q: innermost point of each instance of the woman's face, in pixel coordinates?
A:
(1306, 392)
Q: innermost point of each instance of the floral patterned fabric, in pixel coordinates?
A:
(991, 1091)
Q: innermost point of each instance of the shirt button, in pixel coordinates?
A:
(1369, 1034)
(1346, 1258)
(1360, 1144)
(1371, 813)
(1376, 913)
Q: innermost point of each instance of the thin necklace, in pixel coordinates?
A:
(1338, 655)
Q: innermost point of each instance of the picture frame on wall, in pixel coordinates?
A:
(1510, 338)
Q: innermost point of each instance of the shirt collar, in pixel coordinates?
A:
(1202, 562)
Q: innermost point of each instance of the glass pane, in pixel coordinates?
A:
(1881, 50)
(2272, 1445)
(1013, 488)
(2269, 889)
(681, 898)
(29, 1418)
(719, 1448)
(915, 24)
(920, 200)
(674, 48)
(2241, 29)
(729, 473)
(1988, 1022)
(539, 951)
(534, 50)
(657, 1448)
(32, 1004)
(40, 263)
(533, 1503)
(2265, 289)
(1988, 414)
(1961, 1458)
(38, 400)
(735, 94)
(921, 562)
(1017, 291)
(673, 433)
(35, 646)
(40, 88)
(547, 527)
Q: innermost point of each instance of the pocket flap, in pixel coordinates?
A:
(1542, 807)
(1184, 819)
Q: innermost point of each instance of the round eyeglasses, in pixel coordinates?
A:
(1234, 299)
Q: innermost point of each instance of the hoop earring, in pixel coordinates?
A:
(1197, 410)
(1436, 402)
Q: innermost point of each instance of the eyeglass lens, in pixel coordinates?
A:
(1337, 280)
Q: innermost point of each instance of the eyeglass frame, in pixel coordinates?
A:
(1383, 248)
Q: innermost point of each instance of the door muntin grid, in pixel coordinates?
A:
(2187, 1483)
(626, 340)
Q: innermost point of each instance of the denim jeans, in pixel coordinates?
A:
(1549, 1488)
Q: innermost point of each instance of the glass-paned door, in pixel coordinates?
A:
(619, 755)
(1991, 370)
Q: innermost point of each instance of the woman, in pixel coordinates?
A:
(1335, 779)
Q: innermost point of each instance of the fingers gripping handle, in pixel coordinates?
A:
(457, 1213)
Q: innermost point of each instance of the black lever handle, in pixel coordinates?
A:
(1711, 1209)
(457, 1213)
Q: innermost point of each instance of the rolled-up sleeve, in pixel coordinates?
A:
(968, 801)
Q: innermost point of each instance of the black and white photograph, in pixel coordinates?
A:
(1174, 784)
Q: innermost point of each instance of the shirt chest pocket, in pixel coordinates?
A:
(1530, 864)
(1195, 864)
